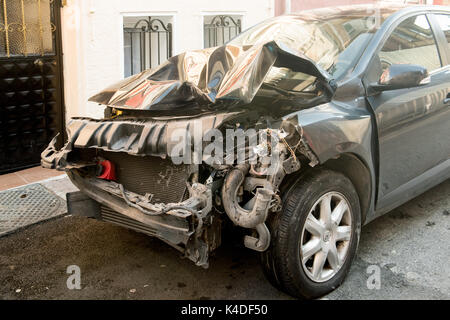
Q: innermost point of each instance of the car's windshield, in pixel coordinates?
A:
(335, 44)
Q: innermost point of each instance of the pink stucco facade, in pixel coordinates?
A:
(298, 5)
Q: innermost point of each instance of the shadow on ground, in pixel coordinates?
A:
(410, 245)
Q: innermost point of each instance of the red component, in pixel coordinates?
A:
(108, 170)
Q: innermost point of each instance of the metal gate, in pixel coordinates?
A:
(221, 29)
(31, 98)
(149, 43)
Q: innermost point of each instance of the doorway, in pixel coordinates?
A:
(31, 81)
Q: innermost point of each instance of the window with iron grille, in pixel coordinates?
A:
(147, 42)
(220, 29)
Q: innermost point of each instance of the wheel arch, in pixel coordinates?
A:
(353, 168)
(358, 172)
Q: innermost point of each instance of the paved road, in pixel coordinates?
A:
(410, 245)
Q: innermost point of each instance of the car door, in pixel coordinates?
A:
(414, 123)
(441, 22)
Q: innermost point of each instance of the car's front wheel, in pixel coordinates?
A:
(315, 237)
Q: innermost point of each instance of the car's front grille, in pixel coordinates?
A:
(111, 216)
(151, 175)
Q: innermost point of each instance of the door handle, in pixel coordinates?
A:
(447, 100)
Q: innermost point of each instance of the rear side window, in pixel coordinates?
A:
(412, 42)
(444, 23)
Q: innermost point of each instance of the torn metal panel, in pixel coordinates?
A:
(138, 137)
(225, 75)
(330, 130)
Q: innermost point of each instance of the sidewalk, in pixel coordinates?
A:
(32, 196)
(24, 177)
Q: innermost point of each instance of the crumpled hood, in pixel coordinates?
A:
(226, 75)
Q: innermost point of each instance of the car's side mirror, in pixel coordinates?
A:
(400, 76)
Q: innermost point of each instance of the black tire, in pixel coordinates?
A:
(281, 262)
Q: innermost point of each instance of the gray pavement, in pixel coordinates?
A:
(410, 245)
(28, 205)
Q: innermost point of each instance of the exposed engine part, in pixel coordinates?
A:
(254, 213)
(238, 215)
(296, 142)
(261, 243)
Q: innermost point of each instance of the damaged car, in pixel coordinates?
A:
(296, 133)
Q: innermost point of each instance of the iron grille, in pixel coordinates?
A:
(221, 29)
(148, 43)
(27, 28)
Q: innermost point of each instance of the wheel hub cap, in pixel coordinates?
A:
(326, 237)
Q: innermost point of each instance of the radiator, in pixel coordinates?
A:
(111, 216)
(151, 175)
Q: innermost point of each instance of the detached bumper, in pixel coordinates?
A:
(139, 149)
(181, 225)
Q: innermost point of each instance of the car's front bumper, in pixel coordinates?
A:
(181, 225)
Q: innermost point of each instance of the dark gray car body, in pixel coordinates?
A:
(392, 145)
(403, 153)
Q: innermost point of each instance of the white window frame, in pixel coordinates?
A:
(218, 13)
(172, 14)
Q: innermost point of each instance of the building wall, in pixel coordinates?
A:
(282, 6)
(93, 38)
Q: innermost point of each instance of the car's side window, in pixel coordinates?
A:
(444, 23)
(412, 42)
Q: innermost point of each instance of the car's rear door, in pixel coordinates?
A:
(413, 124)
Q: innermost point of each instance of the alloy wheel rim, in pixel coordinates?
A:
(326, 237)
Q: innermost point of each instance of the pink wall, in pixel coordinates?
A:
(279, 7)
(309, 4)
(298, 5)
